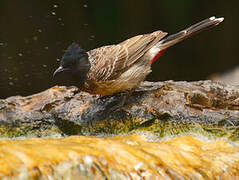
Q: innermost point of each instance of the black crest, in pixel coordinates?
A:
(74, 67)
(73, 53)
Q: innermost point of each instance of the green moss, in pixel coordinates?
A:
(160, 127)
(234, 134)
(111, 127)
(171, 128)
(26, 130)
(68, 127)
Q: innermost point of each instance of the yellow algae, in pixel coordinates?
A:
(119, 157)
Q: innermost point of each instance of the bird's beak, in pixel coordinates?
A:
(60, 69)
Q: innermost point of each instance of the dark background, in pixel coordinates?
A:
(34, 35)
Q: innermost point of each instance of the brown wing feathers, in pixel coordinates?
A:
(108, 62)
(143, 44)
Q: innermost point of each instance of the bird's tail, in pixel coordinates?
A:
(194, 29)
(168, 41)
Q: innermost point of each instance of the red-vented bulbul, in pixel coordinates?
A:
(122, 67)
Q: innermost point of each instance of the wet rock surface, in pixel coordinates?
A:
(66, 111)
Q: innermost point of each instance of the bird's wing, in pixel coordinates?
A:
(109, 62)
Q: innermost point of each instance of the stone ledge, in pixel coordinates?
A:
(161, 107)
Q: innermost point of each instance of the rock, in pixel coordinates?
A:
(162, 108)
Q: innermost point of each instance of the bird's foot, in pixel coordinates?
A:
(117, 101)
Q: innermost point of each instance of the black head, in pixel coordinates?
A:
(74, 65)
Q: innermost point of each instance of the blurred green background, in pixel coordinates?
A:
(34, 35)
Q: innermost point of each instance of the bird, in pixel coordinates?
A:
(122, 67)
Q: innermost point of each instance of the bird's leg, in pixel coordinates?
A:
(126, 95)
(120, 101)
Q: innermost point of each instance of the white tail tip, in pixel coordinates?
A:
(220, 19)
(213, 18)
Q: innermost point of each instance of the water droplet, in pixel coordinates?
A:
(26, 40)
(39, 30)
(55, 6)
(46, 47)
(53, 13)
(44, 65)
(59, 19)
(11, 83)
(20, 54)
(85, 6)
(57, 59)
(35, 38)
(1, 43)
